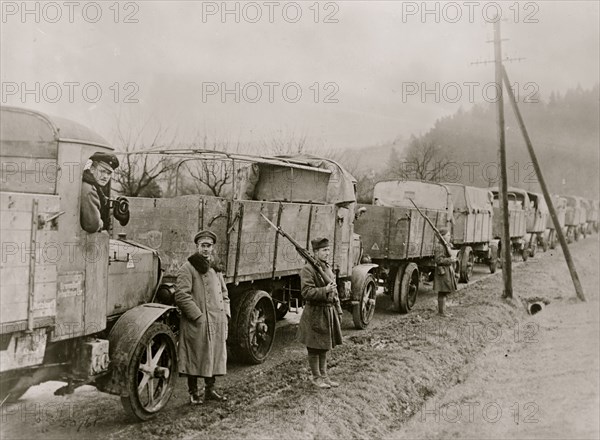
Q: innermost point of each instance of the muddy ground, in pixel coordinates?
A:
(489, 371)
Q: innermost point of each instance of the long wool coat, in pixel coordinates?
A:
(202, 297)
(90, 216)
(443, 282)
(319, 324)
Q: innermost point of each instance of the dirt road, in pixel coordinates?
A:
(489, 356)
(541, 383)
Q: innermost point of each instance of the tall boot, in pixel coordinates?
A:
(442, 304)
(316, 380)
(193, 390)
(209, 390)
(323, 370)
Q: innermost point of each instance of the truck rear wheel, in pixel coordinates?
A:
(552, 239)
(255, 327)
(363, 312)
(493, 262)
(406, 288)
(151, 373)
(467, 261)
(533, 247)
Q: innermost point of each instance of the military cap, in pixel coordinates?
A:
(205, 233)
(319, 243)
(444, 231)
(108, 158)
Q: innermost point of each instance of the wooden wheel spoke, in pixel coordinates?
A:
(158, 354)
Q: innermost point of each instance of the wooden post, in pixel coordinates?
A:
(505, 239)
(538, 172)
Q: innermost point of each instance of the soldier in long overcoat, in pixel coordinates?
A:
(444, 280)
(319, 327)
(202, 296)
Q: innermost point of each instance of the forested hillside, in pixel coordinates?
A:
(463, 147)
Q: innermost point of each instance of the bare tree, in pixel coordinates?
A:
(138, 174)
(285, 143)
(423, 160)
(211, 174)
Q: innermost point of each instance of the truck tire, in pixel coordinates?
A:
(493, 262)
(408, 288)
(544, 244)
(533, 247)
(255, 327)
(152, 373)
(467, 261)
(552, 239)
(525, 252)
(363, 312)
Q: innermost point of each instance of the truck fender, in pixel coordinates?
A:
(359, 274)
(123, 339)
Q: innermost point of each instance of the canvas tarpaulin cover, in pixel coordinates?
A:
(399, 193)
(340, 188)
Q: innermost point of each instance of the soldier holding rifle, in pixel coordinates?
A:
(444, 281)
(320, 328)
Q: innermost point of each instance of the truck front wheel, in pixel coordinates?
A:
(151, 373)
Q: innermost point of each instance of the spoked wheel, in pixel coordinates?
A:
(406, 288)
(552, 239)
(533, 247)
(544, 244)
(256, 327)
(493, 262)
(280, 303)
(467, 261)
(363, 312)
(151, 373)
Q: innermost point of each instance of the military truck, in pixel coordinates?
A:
(560, 206)
(472, 228)
(537, 220)
(519, 207)
(396, 237)
(306, 196)
(76, 307)
(575, 218)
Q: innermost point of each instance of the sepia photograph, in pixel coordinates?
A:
(311, 219)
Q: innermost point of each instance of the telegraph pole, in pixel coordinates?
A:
(538, 172)
(505, 240)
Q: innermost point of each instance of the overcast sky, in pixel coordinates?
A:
(365, 63)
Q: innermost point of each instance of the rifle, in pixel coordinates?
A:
(308, 257)
(437, 233)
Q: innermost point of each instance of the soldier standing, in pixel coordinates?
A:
(444, 281)
(204, 302)
(319, 328)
